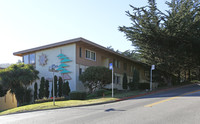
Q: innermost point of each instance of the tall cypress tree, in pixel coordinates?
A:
(35, 91)
(136, 78)
(60, 84)
(47, 89)
(41, 90)
(66, 89)
(55, 86)
(125, 82)
(169, 40)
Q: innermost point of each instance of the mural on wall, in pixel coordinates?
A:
(43, 59)
(62, 67)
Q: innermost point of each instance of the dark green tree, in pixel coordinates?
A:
(169, 40)
(60, 88)
(66, 89)
(136, 78)
(133, 54)
(42, 88)
(17, 78)
(125, 82)
(96, 77)
(35, 91)
(55, 86)
(46, 89)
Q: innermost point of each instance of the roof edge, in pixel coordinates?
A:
(57, 44)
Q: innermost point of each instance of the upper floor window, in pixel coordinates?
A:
(116, 63)
(26, 59)
(29, 59)
(32, 59)
(125, 66)
(90, 55)
(80, 52)
(132, 68)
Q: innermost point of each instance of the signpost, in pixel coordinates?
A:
(52, 68)
(152, 68)
(111, 68)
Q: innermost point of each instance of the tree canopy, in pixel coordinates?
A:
(171, 39)
(17, 78)
(96, 77)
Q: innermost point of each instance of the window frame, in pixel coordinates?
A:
(88, 55)
(80, 52)
(29, 61)
(125, 66)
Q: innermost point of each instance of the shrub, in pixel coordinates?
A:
(75, 95)
(96, 77)
(100, 92)
(42, 86)
(66, 89)
(124, 83)
(131, 86)
(46, 89)
(60, 88)
(50, 99)
(143, 86)
(35, 91)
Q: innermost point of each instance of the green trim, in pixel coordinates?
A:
(65, 71)
(63, 57)
(66, 60)
(63, 65)
(60, 69)
(60, 55)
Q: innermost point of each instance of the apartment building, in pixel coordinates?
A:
(74, 56)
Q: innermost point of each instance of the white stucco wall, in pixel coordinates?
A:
(69, 51)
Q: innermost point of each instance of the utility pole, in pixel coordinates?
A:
(111, 68)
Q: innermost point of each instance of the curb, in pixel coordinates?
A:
(153, 92)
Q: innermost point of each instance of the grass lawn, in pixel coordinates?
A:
(68, 103)
(59, 104)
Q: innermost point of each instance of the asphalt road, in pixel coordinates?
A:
(177, 106)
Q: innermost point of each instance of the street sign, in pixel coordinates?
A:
(110, 66)
(153, 67)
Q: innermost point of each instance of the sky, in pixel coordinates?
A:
(27, 24)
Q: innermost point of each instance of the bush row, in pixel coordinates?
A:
(75, 95)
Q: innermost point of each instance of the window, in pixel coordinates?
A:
(80, 52)
(29, 59)
(87, 54)
(26, 59)
(93, 56)
(125, 66)
(32, 59)
(116, 63)
(90, 55)
(117, 79)
(146, 73)
(80, 71)
(113, 62)
(132, 68)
